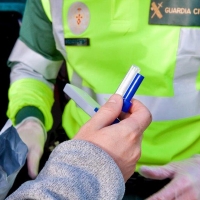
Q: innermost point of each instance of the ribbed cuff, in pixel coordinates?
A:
(29, 111)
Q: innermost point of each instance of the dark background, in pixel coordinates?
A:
(9, 32)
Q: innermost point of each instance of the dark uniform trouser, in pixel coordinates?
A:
(139, 187)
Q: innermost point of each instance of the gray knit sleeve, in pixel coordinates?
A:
(75, 170)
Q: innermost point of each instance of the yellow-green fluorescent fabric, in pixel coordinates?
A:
(168, 56)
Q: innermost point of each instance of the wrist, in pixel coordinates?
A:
(33, 121)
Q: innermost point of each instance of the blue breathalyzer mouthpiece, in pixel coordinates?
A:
(131, 92)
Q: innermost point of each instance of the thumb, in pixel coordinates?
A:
(108, 112)
(157, 172)
(33, 161)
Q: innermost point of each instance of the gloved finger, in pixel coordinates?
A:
(173, 191)
(157, 172)
(107, 113)
(187, 196)
(33, 161)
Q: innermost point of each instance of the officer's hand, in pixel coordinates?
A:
(33, 135)
(122, 141)
(185, 183)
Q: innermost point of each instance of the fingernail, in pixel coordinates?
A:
(113, 98)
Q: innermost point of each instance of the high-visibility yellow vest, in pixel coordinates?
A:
(169, 58)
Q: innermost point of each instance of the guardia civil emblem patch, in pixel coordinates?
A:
(175, 12)
(78, 18)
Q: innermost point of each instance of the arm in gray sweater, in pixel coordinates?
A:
(76, 169)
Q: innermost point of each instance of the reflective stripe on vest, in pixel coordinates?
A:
(48, 68)
(57, 24)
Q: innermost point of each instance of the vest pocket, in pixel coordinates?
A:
(124, 15)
